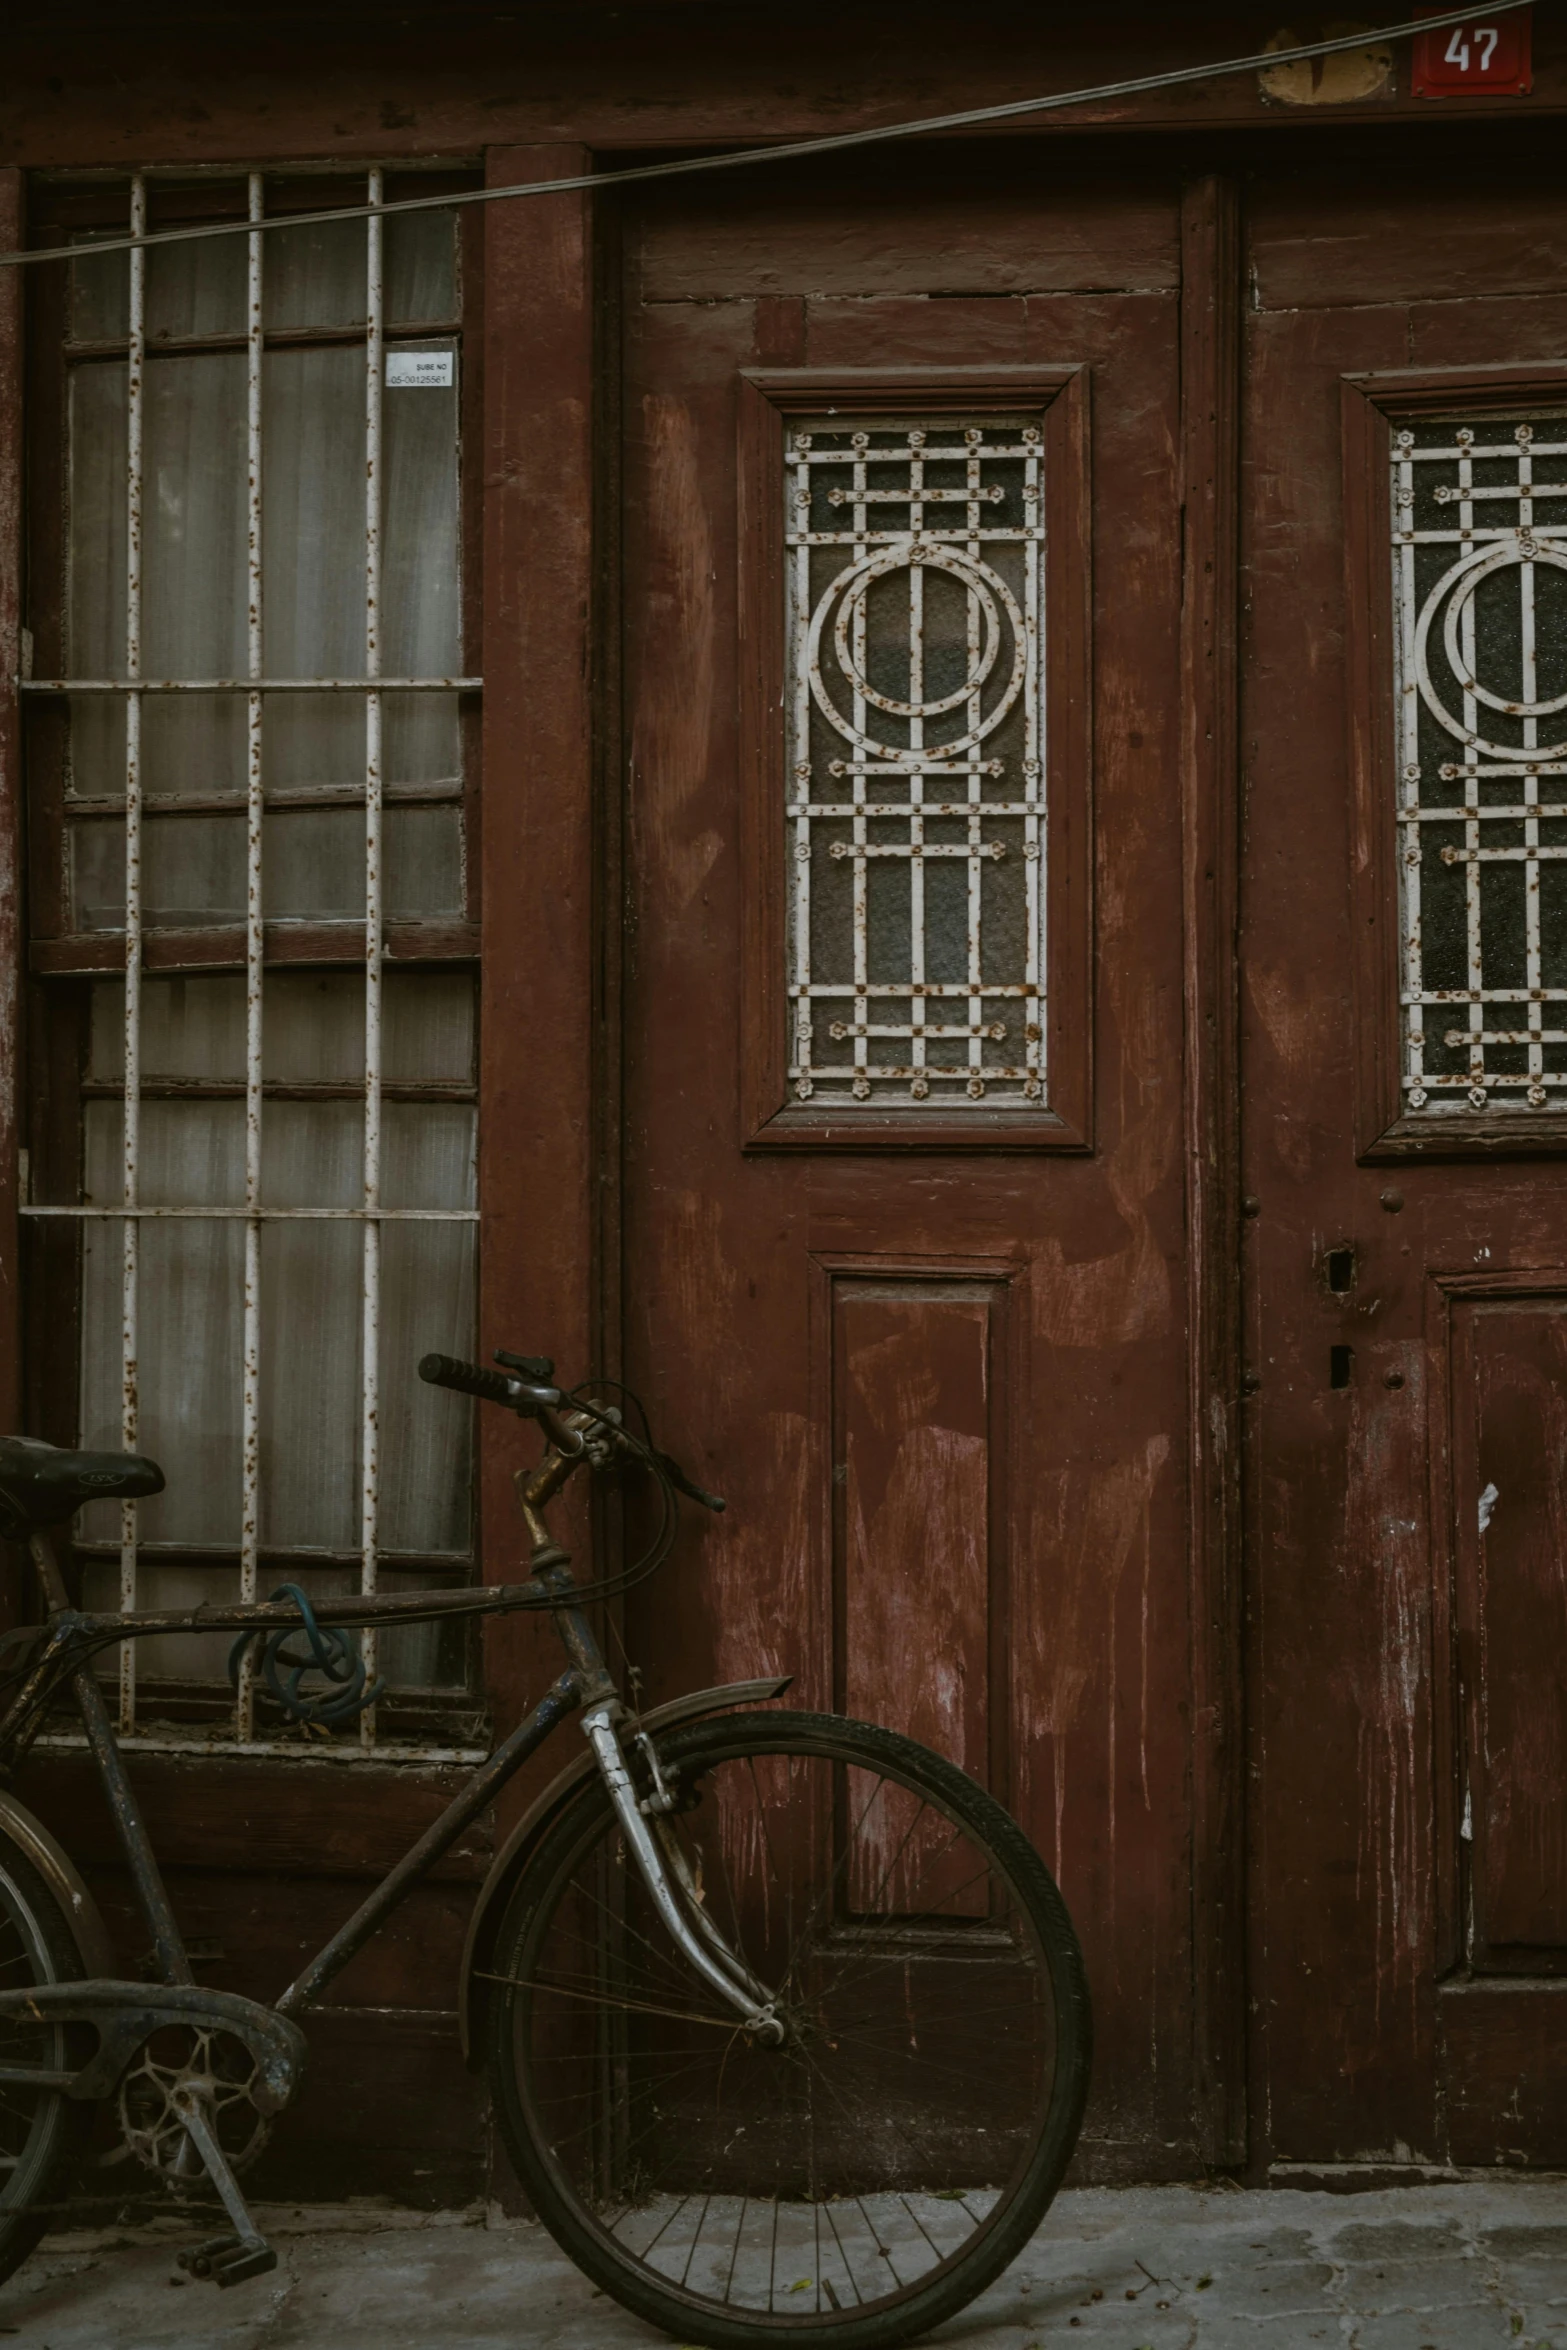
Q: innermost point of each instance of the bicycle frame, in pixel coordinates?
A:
(585, 1686)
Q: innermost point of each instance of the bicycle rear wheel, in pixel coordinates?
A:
(864, 2179)
(42, 2132)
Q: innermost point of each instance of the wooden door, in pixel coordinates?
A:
(903, 1253)
(1404, 959)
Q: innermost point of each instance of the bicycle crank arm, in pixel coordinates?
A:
(126, 2014)
(228, 2260)
(724, 1974)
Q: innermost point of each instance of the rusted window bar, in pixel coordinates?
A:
(371, 1365)
(136, 363)
(250, 1446)
(246, 685)
(254, 1213)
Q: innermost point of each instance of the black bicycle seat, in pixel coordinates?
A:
(43, 1485)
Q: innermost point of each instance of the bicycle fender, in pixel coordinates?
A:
(58, 1871)
(519, 1846)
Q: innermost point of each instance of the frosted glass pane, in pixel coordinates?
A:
(100, 294)
(427, 1304)
(313, 505)
(424, 863)
(419, 551)
(194, 590)
(420, 741)
(189, 1028)
(421, 267)
(428, 1029)
(96, 535)
(192, 743)
(194, 517)
(199, 288)
(95, 874)
(310, 1384)
(427, 1155)
(95, 757)
(312, 1155)
(192, 1154)
(193, 873)
(316, 276)
(190, 1322)
(314, 864)
(313, 1027)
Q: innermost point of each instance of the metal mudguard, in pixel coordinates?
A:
(515, 1853)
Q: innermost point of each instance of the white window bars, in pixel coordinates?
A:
(916, 807)
(1479, 524)
(180, 1038)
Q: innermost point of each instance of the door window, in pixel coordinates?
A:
(917, 802)
(1479, 519)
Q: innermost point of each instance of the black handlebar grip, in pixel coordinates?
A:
(469, 1378)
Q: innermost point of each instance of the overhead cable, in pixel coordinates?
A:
(796, 150)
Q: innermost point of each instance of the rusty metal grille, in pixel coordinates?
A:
(916, 808)
(1480, 603)
(264, 1154)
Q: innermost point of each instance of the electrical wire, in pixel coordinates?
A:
(791, 151)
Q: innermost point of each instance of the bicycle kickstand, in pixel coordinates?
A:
(227, 2260)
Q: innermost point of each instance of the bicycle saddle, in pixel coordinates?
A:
(43, 1485)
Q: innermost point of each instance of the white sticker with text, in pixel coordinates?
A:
(419, 371)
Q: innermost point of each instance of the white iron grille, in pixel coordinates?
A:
(132, 690)
(1480, 601)
(916, 801)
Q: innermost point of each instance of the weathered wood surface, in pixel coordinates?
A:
(1366, 1697)
(814, 1404)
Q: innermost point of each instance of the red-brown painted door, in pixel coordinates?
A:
(903, 1255)
(1404, 956)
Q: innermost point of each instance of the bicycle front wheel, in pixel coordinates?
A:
(869, 2175)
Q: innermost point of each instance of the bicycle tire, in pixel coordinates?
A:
(619, 2082)
(42, 2132)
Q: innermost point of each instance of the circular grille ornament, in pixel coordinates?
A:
(1452, 595)
(844, 603)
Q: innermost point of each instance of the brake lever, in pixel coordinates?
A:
(688, 1485)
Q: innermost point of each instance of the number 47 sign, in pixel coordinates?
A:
(1483, 53)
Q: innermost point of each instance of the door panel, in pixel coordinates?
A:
(1400, 1659)
(941, 1381)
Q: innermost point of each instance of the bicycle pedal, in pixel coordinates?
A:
(228, 2260)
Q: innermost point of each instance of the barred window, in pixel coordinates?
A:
(1480, 604)
(253, 1150)
(917, 802)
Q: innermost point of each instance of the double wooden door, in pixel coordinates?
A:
(942, 492)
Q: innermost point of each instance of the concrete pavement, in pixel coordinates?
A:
(1467, 2266)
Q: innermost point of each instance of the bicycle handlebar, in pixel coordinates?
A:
(538, 1402)
(473, 1379)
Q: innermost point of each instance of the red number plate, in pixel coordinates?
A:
(1482, 53)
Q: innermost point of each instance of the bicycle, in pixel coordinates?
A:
(785, 2022)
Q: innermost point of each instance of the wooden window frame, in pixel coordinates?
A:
(1370, 404)
(60, 965)
(768, 398)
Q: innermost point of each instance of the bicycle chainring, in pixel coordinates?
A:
(222, 2070)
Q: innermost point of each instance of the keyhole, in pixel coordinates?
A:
(1341, 1362)
(1341, 1271)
